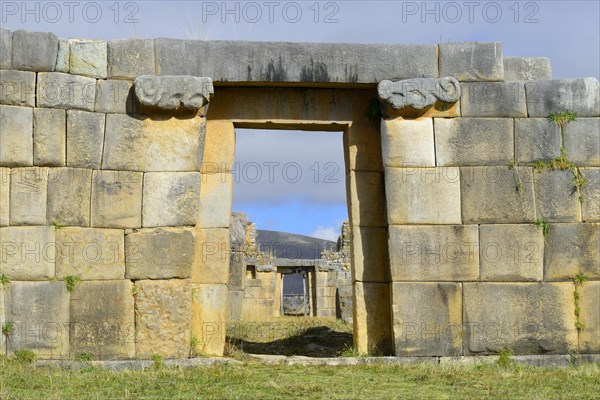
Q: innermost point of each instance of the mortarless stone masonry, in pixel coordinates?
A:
(461, 242)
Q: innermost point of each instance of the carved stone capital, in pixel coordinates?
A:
(265, 268)
(413, 96)
(173, 93)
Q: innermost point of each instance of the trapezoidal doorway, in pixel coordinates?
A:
(308, 110)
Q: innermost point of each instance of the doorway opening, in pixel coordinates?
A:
(290, 229)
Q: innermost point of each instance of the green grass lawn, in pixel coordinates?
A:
(299, 336)
(259, 381)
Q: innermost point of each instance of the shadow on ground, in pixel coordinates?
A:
(319, 341)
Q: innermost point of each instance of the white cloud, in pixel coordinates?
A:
(326, 233)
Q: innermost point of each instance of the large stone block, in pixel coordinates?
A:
(5, 48)
(162, 253)
(369, 254)
(39, 312)
(209, 317)
(589, 337)
(423, 195)
(556, 198)
(372, 323)
(27, 253)
(476, 61)
(163, 312)
(237, 271)
(88, 58)
(59, 90)
(237, 230)
(572, 249)
(63, 56)
(474, 141)
(102, 320)
(497, 195)
(117, 199)
(511, 252)
(130, 58)
(34, 51)
(49, 137)
(219, 147)
(582, 141)
(536, 139)
(362, 147)
(427, 319)
(212, 256)
(216, 196)
(16, 136)
(526, 318)
(234, 305)
(91, 254)
(17, 88)
(113, 96)
(28, 196)
(153, 144)
(69, 191)
(170, 198)
(527, 68)
(581, 96)
(493, 99)
(434, 253)
(85, 135)
(406, 143)
(4, 196)
(590, 205)
(366, 198)
(232, 61)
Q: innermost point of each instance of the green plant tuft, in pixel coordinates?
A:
(562, 118)
(159, 362)
(71, 281)
(25, 356)
(504, 359)
(57, 226)
(544, 225)
(351, 351)
(4, 280)
(578, 281)
(83, 357)
(8, 328)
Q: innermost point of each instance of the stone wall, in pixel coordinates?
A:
(471, 214)
(100, 243)
(492, 209)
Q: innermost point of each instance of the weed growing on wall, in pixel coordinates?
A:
(578, 281)
(544, 225)
(71, 281)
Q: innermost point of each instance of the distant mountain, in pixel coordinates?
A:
(290, 245)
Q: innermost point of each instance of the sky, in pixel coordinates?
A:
(567, 32)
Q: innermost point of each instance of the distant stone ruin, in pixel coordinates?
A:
(256, 278)
(473, 187)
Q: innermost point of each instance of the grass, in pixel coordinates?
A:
(71, 281)
(4, 280)
(578, 281)
(562, 118)
(313, 337)
(544, 225)
(260, 381)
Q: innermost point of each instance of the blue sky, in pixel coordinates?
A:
(568, 32)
